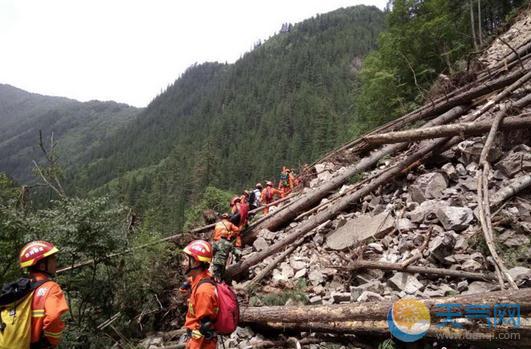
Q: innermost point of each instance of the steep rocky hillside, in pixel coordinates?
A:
(447, 220)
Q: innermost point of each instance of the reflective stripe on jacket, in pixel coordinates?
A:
(48, 305)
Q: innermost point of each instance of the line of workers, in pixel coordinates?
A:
(203, 300)
(226, 238)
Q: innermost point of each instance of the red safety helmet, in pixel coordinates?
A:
(200, 250)
(34, 252)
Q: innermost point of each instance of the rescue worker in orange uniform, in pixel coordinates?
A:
(268, 195)
(243, 209)
(287, 182)
(49, 303)
(202, 303)
(225, 228)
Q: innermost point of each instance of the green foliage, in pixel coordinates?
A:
(214, 199)
(424, 39)
(91, 229)
(284, 103)
(387, 344)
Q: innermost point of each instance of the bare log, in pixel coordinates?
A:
(514, 187)
(378, 310)
(483, 199)
(463, 95)
(467, 129)
(362, 264)
(470, 334)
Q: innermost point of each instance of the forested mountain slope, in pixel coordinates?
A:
(77, 127)
(286, 102)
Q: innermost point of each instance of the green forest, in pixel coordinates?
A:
(218, 129)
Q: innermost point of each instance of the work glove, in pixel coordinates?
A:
(207, 329)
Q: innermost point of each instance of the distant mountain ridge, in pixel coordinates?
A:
(77, 127)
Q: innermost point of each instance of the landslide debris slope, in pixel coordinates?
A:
(447, 220)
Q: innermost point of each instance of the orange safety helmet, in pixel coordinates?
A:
(200, 250)
(34, 252)
(269, 183)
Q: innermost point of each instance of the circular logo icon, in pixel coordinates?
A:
(408, 320)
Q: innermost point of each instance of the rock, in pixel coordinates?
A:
(433, 293)
(376, 247)
(339, 297)
(426, 211)
(278, 276)
(462, 285)
(461, 170)
(368, 296)
(469, 183)
(287, 271)
(360, 229)
(517, 160)
(267, 234)
(454, 217)
(260, 244)
(244, 332)
(297, 264)
(428, 186)
(316, 300)
(471, 265)
(516, 240)
(404, 224)
(520, 274)
(316, 277)
(461, 243)
(318, 289)
(324, 176)
(300, 273)
(450, 171)
(442, 246)
(405, 282)
(478, 287)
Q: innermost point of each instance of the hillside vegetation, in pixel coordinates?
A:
(287, 101)
(76, 127)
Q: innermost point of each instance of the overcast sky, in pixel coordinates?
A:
(129, 50)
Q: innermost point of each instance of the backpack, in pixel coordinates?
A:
(15, 313)
(284, 179)
(229, 309)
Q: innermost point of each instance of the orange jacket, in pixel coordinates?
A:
(202, 304)
(268, 195)
(48, 305)
(225, 228)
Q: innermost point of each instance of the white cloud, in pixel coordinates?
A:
(130, 50)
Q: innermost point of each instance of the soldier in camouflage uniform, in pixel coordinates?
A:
(222, 250)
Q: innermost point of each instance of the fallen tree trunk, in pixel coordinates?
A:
(467, 129)
(514, 187)
(314, 197)
(461, 96)
(447, 334)
(378, 310)
(421, 270)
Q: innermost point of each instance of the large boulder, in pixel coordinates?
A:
(360, 229)
(519, 159)
(455, 218)
(428, 186)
